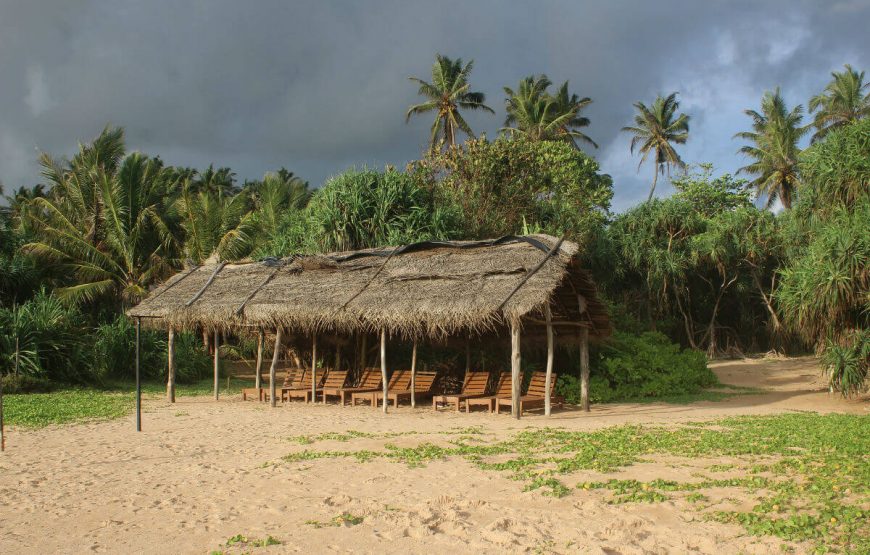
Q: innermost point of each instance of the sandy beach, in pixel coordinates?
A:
(202, 472)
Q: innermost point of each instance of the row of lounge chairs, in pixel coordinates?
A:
(332, 383)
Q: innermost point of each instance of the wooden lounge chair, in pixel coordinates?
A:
(474, 386)
(535, 396)
(303, 390)
(423, 383)
(401, 379)
(293, 377)
(370, 381)
(503, 389)
(335, 379)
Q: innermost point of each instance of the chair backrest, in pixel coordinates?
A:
(371, 378)
(335, 378)
(423, 382)
(475, 383)
(295, 377)
(538, 383)
(504, 388)
(400, 380)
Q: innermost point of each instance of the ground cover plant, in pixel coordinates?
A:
(808, 474)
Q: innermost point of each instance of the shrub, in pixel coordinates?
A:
(640, 366)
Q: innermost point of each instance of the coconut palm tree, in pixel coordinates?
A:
(446, 95)
(843, 101)
(104, 223)
(774, 150)
(656, 129)
(536, 114)
(215, 224)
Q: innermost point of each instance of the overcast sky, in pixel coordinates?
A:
(321, 86)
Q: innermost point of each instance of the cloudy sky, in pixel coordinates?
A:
(321, 86)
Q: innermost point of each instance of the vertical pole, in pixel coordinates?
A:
(170, 372)
(314, 368)
(414, 375)
(550, 347)
(138, 381)
(17, 354)
(386, 385)
(468, 355)
(516, 386)
(275, 354)
(258, 379)
(2, 431)
(584, 369)
(217, 364)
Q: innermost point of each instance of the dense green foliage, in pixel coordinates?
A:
(705, 267)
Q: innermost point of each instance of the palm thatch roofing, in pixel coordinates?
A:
(431, 289)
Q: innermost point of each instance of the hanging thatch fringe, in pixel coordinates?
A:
(426, 290)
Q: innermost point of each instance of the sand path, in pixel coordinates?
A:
(196, 476)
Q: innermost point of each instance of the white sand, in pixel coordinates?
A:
(196, 476)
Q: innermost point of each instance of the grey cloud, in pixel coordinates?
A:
(320, 86)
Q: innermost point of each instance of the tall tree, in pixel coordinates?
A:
(774, 149)
(446, 94)
(105, 221)
(215, 224)
(843, 101)
(656, 129)
(540, 116)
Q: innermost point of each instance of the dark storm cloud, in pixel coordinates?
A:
(320, 86)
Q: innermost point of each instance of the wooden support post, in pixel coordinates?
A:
(2, 430)
(138, 381)
(314, 368)
(516, 385)
(386, 385)
(414, 375)
(261, 338)
(550, 348)
(170, 372)
(584, 369)
(217, 365)
(275, 354)
(468, 355)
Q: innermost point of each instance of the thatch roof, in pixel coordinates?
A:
(426, 289)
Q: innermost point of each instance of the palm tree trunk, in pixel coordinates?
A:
(655, 180)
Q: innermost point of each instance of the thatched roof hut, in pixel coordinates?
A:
(432, 289)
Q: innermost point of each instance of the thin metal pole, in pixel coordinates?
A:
(217, 363)
(414, 375)
(138, 381)
(2, 431)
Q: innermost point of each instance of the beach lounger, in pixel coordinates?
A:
(474, 386)
(370, 381)
(293, 377)
(401, 379)
(423, 384)
(535, 396)
(303, 390)
(503, 389)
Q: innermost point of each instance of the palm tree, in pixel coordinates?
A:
(446, 94)
(656, 129)
(842, 102)
(774, 148)
(104, 222)
(215, 224)
(536, 114)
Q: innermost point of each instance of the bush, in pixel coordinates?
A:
(644, 366)
(114, 353)
(23, 383)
